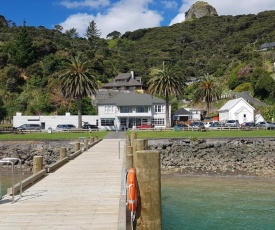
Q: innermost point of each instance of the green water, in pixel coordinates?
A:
(6, 182)
(200, 202)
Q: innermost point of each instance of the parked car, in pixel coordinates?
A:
(63, 127)
(232, 123)
(265, 124)
(180, 126)
(211, 123)
(197, 124)
(247, 125)
(89, 126)
(145, 126)
(28, 127)
(214, 125)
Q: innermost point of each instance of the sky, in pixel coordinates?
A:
(119, 15)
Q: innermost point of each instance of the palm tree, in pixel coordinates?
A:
(207, 91)
(169, 82)
(77, 81)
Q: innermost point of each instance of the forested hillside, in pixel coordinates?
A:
(227, 47)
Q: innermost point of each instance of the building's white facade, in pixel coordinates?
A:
(128, 110)
(53, 120)
(237, 109)
(118, 113)
(196, 114)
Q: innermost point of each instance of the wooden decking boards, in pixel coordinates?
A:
(83, 194)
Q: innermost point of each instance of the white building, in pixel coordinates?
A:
(195, 114)
(237, 109)
(53, 120)
(127, 110)
(124, 110)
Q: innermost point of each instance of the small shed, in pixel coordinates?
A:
(181, 115)
(237, 109)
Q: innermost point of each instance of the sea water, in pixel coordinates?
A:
(6, 182)
(212, 202)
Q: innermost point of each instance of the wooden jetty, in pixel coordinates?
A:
(83, 194)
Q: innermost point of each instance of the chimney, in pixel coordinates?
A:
(132, 75)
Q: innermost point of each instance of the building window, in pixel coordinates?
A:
(125, 109)
(107, 122)
(123, 122)
(142, 109)
(109, 109)
(158, 121)
(159, 108)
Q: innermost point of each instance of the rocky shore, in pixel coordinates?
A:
(26, 150)
(250, 157)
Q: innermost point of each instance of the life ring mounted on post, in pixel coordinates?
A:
(132, 192)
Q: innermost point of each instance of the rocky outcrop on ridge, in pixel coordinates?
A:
(200, 9)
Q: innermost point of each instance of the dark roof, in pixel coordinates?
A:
(247, 96)
(123, 76)
(133, 82)
(182, 111)
(135, 99)
(113, 84)
(268, 45)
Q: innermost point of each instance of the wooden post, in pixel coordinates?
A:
(148, 178)
(140, 144)
(62, 153)
(92, 139)
(128, 140)
(76, 146)
(129, 157)
(133, 141)
(86, 144)
(37, 164)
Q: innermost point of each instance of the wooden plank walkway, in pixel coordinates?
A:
(83, 194)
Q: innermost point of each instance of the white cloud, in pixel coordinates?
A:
(86, 3)
(232, 7)
(169, 4)
(126, 15)
(78, 21)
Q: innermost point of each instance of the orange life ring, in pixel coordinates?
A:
(132, 195)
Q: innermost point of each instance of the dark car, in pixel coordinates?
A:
(247, 125)
(28, 127)
(63, 127)
(180, 126)
(265, 124)
(232, 123)
(197, 124)
(90, 127)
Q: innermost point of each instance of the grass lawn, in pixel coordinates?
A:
(208, 134)
(140, 134)
(50, 136)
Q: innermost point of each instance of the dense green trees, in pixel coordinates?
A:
(226, 47)
(167, 82)
(77, 81)
(21, 50)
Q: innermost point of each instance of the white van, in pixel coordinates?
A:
(211, 123)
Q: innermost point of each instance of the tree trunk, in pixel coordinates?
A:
(79, 114)
(208, 108)
(168, 125)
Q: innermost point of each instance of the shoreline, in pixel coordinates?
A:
(200, 173)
